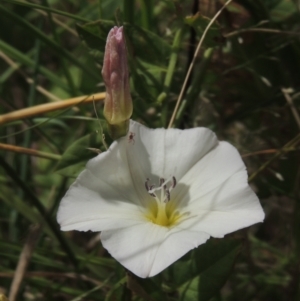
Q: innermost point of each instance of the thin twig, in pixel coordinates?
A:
(29, 80)
(285, 148)
(265, 30)
(193, 63)
(289, 100)
(52, 275)
(49, 107)
(23, 262)
(85, 294)
(267, 151)
(29, 151)
(58, 22)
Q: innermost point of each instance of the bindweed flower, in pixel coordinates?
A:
(156, 194)
(118, 103)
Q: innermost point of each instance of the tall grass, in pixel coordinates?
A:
(244, 85)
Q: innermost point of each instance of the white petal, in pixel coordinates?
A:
(147, 249)
(230, 207)
(104, 195)
(165, 153)
(84, 209)
(94, 203)
(111, 167)
(209, 173)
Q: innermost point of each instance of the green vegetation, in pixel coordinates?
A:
(244, 85)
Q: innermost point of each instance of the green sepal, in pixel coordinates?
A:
(119, 130)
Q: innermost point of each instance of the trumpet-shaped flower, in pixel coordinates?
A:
(156, 194)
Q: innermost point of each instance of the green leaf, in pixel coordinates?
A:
(145, 83)
(212, 280)
(144, 44)
(283, 10)
(40, 207)
(147, 45)
(199, 23)
(22, 22)
(201, 277)
(77, 154)
(128, 11)
(12, 200)
(189, 291)
(73, 170)
(49, 9)
(27, 61)
(94, 36)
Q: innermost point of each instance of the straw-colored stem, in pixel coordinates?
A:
(268, 151)
(264, 30)
(193, 63)
(29, 151)
(29, 80)
(293, 143)
(49, 107)
(289, 100)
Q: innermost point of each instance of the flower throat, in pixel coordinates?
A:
(162, 212)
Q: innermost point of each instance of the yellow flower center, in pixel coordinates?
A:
(162, 211)
(162, 214)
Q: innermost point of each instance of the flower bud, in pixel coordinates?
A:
(118, 103)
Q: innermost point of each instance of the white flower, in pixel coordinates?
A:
(156, 194)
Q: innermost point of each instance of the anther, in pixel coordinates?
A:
(161, 183)
(174, 182)
(168, 196)
(146, 184)
(152, 193)
(165, 191)
(149, 188)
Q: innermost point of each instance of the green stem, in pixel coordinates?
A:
(128, 9)
(146, 13)
(195, 86)
(100, 9)
(114, 288)
(63, 62)
(171, 67)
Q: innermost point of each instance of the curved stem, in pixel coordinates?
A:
(193, 63)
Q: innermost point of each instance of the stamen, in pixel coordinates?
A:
(149, 189)
(146, 184)
(168, 196)
(165, 195)
(174, 182)
(151, 192)
(160, 212)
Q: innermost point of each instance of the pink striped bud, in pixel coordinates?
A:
(118, 103)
